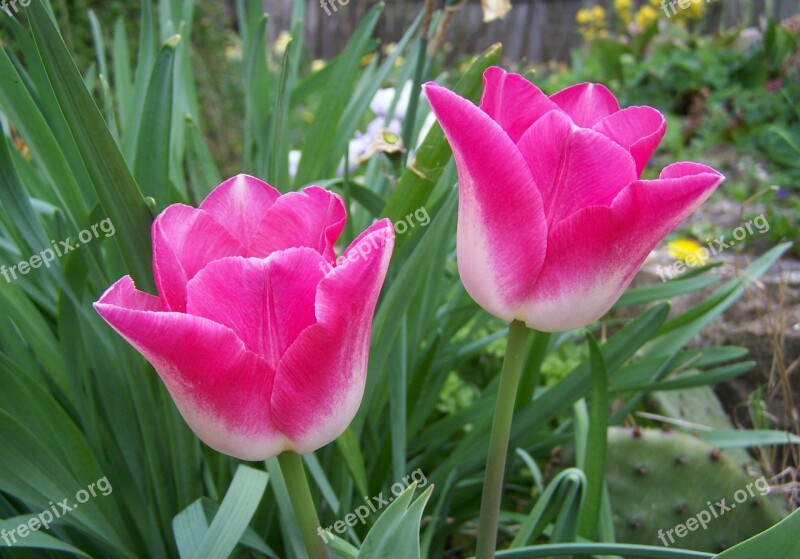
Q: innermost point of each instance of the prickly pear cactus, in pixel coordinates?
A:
(697, 405)
(675, 490)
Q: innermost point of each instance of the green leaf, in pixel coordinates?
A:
(234, 515)
(778, 542)
(681, 329)
(99, 44)
(368, 85)
(396, 532)
(122, 72)
(318, 160)
(684, 381)
(548, 404)
(145, 59)
(340, 549)
(279, 147)
(38, 539)
(351, 452)
(151, 162)
(418, 180)
(667, 290)
(111, 178)
(33, 474)
(204, 174)
(604, 549)
(432, 248)
(741, 438)
(19, 106)
(562, 500)
(250, 539)
(16, 201)
(257, 93)
(319, 476)
(190, 526)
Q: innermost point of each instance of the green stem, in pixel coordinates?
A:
(498, 442)
(304, 511)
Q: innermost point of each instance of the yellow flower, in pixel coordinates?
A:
(645, 17)
(318, 65)
(689, 251)
(622, 4)
(591, 23)
(583, 16)
(696, 10)
(623, 10)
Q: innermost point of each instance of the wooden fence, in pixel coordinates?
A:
(535, 30)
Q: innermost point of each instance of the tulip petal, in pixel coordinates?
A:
(221, 389)
(586, 103)
(240, 204)
(312, 218)
(501, 215)
(184, 241)
(637, 129)
(320, 380)
(593, 255)
(574, 167)
(266, 302)
(512, 101)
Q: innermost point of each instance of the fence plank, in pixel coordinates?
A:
(535, 30)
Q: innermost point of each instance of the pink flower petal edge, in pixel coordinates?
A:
(501, 214)
(594, 254)
(321, 377)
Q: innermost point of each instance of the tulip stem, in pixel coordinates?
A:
(498, 441)
(304, 511)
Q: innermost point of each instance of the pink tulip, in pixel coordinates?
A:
(553, 218)
(259, 335)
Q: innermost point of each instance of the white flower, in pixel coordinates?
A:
(382, 101)
(294, 161)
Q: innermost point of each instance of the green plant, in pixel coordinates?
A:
(658, 480)
(78, 404)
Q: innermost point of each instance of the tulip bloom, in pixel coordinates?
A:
(553, 219)
(259, 336)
